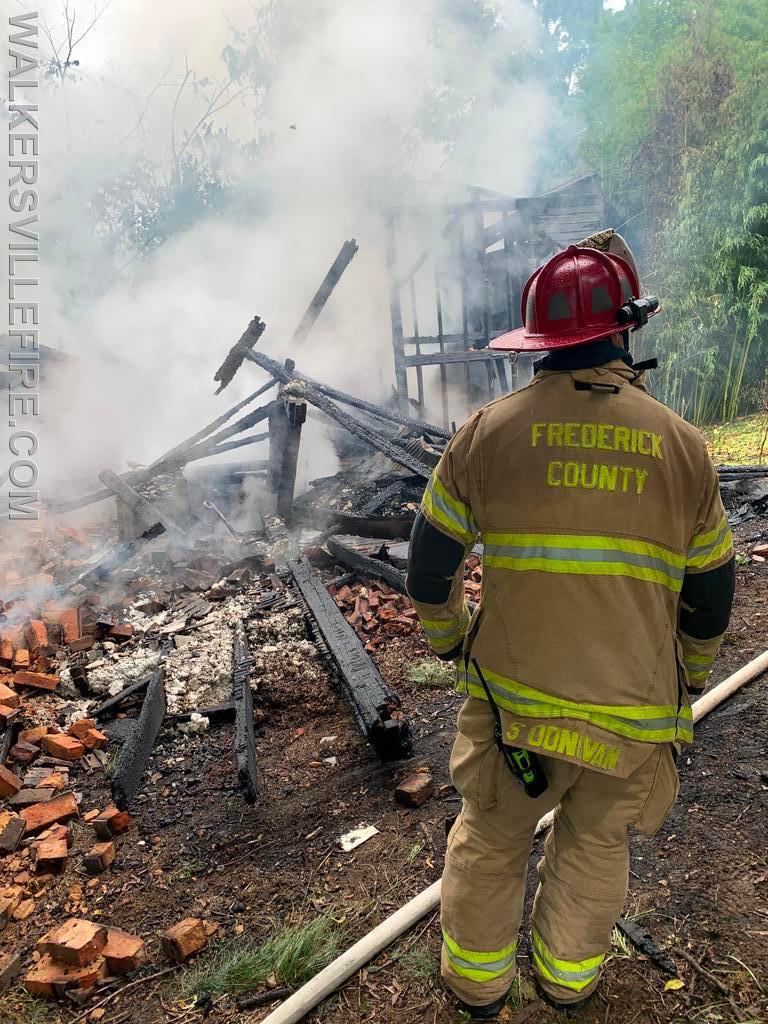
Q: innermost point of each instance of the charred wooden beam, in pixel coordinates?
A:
(134, 753)
(361, 430)
(245, 739)
(118, 703)
(145, 510)
(373, 703)
(323, 293)
(485, 355)
(285, 423)
(237, 353)
(366, 566)
(119, 555)
(380, 499)
(379, 411)
(331, 522)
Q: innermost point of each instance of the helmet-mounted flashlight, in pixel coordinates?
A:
(636, 312)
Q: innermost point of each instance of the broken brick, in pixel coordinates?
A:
(94, 740)
(10, 784)
(121, 632)
(69, 620)
(83, 643)
(11, 831)
(76, 943)
(37, 680)
(99, 858)
(415, 790)
(52, 980)
(184, 939)
(40, 816)
(9, 697)
(27, 797)
(6, 652)
(25, 753)
(111, 822)
(81, 727)
(123, 952)
(21, 658)
(37, 634)
(55, 781)
(8, 715)
(10, 969)
(35, 734)
(24, 910)
(60, 745)
(8, 905)
(50, 856)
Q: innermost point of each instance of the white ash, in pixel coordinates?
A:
(113, 673)
(199, 674)
(196, 724)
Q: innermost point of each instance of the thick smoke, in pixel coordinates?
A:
(360, 104)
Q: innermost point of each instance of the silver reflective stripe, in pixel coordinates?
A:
(704, 549)
(465, 523)
(604, 555)
(492, 967)
(564, 975)
(649, 724)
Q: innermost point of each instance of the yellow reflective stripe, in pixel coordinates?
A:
(446, 633)
(699, 659)
(586, 569)
(478, 966)
(652, 724)
(453, 515)
(572, 974)
(585, 555)
(707, 548)
(702, 539)
(698, 666)
(587, 541)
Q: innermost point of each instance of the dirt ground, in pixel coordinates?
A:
(197, 850)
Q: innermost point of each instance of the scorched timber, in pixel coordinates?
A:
(365, 566)
(370, 698)
(245, 740)
(290, 372)
(361, 430)
(146, 511)
(133, 757)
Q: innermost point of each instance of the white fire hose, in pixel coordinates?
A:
(363, 951)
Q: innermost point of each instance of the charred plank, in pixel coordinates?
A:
(372, 702)
(118, 703)
(245, 739)
(134, 754)
(364, 565)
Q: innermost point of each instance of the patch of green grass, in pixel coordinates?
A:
(739, 441)
(432, 674)
(420, 963)
(18, 1007)
(292, 956)
(621, 947)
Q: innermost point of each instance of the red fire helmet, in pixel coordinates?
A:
(574, 298)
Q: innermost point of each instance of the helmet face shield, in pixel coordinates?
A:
(573, 299)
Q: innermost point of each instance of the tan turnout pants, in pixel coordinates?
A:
(583, 875)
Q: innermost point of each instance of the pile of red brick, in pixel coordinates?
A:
(30, 649)
(77, 954)
(376, 612)
(473, 578)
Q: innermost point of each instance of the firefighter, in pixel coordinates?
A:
(608, 577)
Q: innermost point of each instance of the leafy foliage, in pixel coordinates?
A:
(683, 148)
